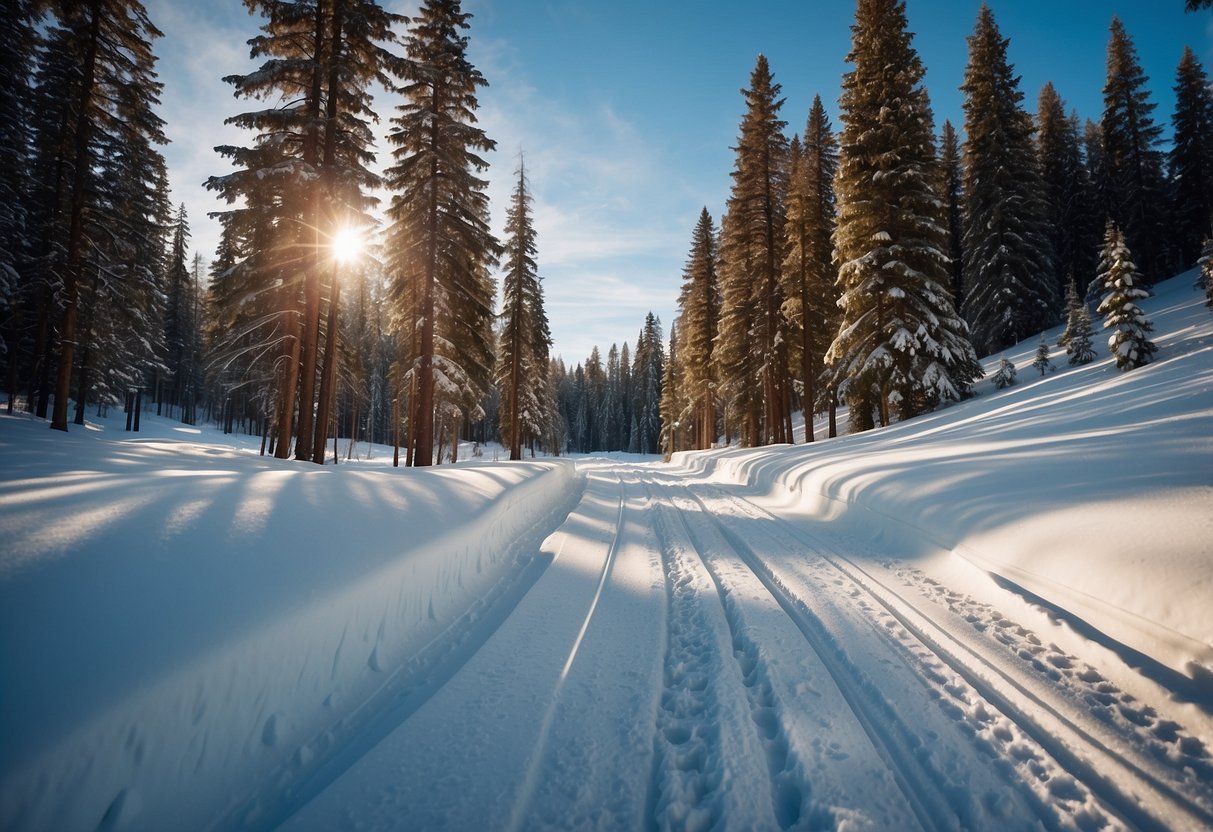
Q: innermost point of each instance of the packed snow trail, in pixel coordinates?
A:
(689, 660)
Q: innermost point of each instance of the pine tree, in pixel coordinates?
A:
(900, 343)
(99, 93)
(1010, 287)
(1005, 375)
(1068, 193)
(674, 404)
(178, 307)
(1191, 159)
(304, 184)
(17, 43)
(953, 193)
(1041, 362)
(698, 318)
(1073, 302)
(440, 245)
(809, 277)
(648, 370)
(1134, 176)
(1079, 347)
(1121, 284)
(525, 336)
(751, 354)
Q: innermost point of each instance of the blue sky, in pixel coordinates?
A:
(627, 110)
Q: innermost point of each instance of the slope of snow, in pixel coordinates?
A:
(1089, 488)
(179, 616)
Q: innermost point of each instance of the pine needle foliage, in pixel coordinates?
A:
(900, 344)
(751, 351)
(1121, 284)
(1010, 287)
(522, 359)
(440, 247)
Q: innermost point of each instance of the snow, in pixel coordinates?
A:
(993, 616)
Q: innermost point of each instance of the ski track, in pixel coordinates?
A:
(1064, 758)
(770, 681)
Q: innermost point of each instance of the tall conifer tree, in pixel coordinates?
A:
(440, 245)
(1068, 193)
(1121, 283)
(900, 344)
(1010, 286)
(809, 275)
(522, 362)
(752, 348)
(1136, 191)
(106, 100)
(953, 193)
(699, 316)
(1191, 159)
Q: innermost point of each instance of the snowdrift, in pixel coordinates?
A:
(1087, 490)
(182, 621)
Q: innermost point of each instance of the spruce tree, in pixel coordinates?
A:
(1191, 159)
(105, 96)
(674, 404)
(953, 194)
(648, 371)
(1121, 284)
(1010, 286)
(1005, 375)
(440, 246)
(17, 43)
(698, 318)
(304, 183)
(900, 343)
(751, 355)
(809, 276)
(1134, 164)
(1068, 193)
(1079, 347)
(522, 363)
(1073, 302)
(1041, 362)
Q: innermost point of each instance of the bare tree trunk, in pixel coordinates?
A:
(290, 375)
(75, 237)
(328, 373)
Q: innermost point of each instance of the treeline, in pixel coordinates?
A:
(869, 266)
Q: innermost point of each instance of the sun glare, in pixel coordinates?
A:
(347, 245)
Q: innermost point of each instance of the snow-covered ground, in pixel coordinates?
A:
(996, 616)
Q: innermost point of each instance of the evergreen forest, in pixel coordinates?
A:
(359, 294)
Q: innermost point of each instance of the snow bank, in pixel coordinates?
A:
(181, 621)
(1089, 488)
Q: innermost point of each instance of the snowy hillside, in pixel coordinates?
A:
(999, 615)
(1088, 487)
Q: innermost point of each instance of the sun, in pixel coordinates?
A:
(346, 244)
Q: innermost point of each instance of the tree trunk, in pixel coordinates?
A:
(290, 375)
(75, 237)
(328, 374)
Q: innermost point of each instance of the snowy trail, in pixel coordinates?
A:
(690, 660)
(1147, 770)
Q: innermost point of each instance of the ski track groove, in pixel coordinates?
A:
(789, 790)
(897, 746)
(686, 741)
(1112, 797)
(530, 782)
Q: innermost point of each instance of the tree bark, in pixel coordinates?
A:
(75, 237)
